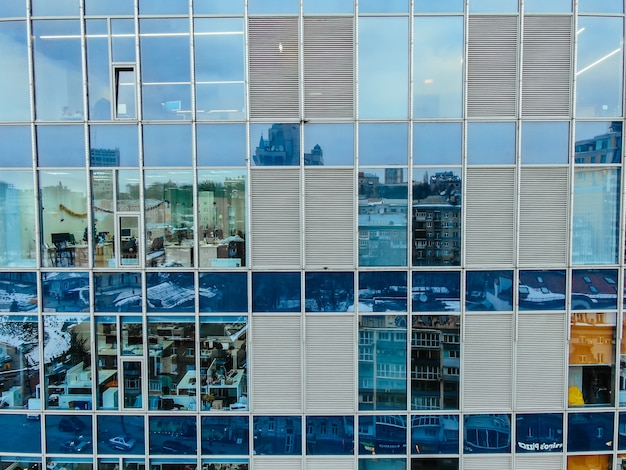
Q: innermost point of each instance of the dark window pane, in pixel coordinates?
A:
(117, 292)
(170, 292)
(69, 434)
(487, 434)
(434, 434)
(24, 437)
(382, 292)
(590, 432)
(65, 291)
(541, 290)
(225, 435)
(173, 435)
(594, 289)
(277, 435)
(436, 291)
(435, 464)
(121, 434)
(223, 292)
(382, 434)
(329, 292)
(330, 435)
(540, 432)
(489, 291)
(276, 292)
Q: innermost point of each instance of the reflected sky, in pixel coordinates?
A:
(160, 7)
(545, 142)
(437, 143)
(388, 6)
(15, 146)
(14, 78)
(605, 6)
(56, 8)
(273, 6)
(123, 138)
(107, 7)
(335, 140)
(383, 143)
(440, 6)
(492, 6)
(12, 8)
(60, 146)
(540, 6)
(167, 145)
(490, 143)
(222, 145)
(221, 7)
(327, 6)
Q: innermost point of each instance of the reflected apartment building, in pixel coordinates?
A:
(311, 234)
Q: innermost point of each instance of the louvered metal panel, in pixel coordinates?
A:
(539, 462)
(487, 462)
(488, 362)
(492, 66)
(490, 216)
(328, 68)
(544, 215)
(276, 463)
(547, 66)
(277, 365)
(273, 49)
(275, 217)
(328, 463)
(329, 218)
(540, 370)
(329, 358)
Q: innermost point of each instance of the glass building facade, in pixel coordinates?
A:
(312, 234)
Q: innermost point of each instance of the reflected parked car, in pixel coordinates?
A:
(122, 442)
(78, 444)
(175, 447)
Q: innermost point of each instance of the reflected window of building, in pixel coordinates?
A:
(174, 435)
(18, 246)
(598, 142)
(383, 143)
(539, 432)
(66, 434)
(599, 59)
(595, 216)
(436, 217)
(223, 292)
(65, 291)
(15, 147)
(383, 71)
(437, 143)
(435, 363)
(434, 434)
(329, 292)
(487, 434)
(541, 290)
(433, 291)
(489, 291)
(170, 292)
(167, 145)
(438, 74)
(382, 434)
(223, 378)
(218, 7)
(277, 435)
(275, 145)
(545, 142)
(490, 143)
(276, 292)
(61, 146)
(221, 144)
(328, 144)
(121, 434)
(226, 435)
(222, 196)
(330, 435)
(113, 145)
(382, 363)
(590, 432)
(382, 292)
(14, 86)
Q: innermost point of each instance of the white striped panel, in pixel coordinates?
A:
(487, 462)
(330, 214)
(328, 463)
(276, 463)
(490, 217)
(538, 461)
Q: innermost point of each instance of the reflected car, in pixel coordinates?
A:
(71, 425)
(124, 443)
(175, 447)
(78, 444)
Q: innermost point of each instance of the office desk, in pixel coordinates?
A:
(179, 254)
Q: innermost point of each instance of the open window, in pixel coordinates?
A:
(125, 93)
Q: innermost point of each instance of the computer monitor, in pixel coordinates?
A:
(125, 232)
(58, 238)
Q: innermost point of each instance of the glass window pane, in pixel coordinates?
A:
(438, 70)
(434, 434)
(440, 6)
(162, 7)
(434, 291)
(225, 435)
(388, 6)
(590, 432)
(273, 6)
(329, 292)
(330, 435)
(223, 292)
(12, 8)
(107, 7)
(123, 40)
(421, 463)
(113, 145)
(14, 94)
(329, 144)
(277, 435)
(606, 6)
(539, 432)
(222, 218)
(487, 434)
(56, 8)
(61, 146)
(312, 7)
(67, 432)
(594, 289)
(492, 6)
(17, 219)
(281, 147)
(121, 433)
(20, 440)
(98, 73)
(166, 102)
(383, 67)
(489, 291)
(595, 218)
(383, 206)
(218, 7)
(117, 292)
(437, 143)
(15, 146)
(276, 292)
(165, 50)
(540, 6)
(382, 292)
(545, 142)
(383, 144)
(382, 434)
(173, 435)
(541, 290)
(58, 88)
(490, 142)
(599, 59)
(167, 145)
(221, 145)
(598, 142)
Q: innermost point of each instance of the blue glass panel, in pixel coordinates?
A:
(382, 464)
(276, 292)
(123, 40)
(65, 291)
(12, 8)
(382, 292)
(117, 292)
(61, 146)
(437, 143)
(122, 433)
(56, 8)
(436, 291)
(223, 292)
(281, 147)
(330, 435)
(18, 244)
(329, 292)
(277, 435)
(69, 434)
(163, 7)
(383, 144)
(487, 434)
(113, 145)
(594, 289)
(14, 80)
(434, 464)
(15, 146)
(225, 435)
(167, 145)
(382, 362)
(621, 443)
(382, 434)
(388, 6)
(169, 102)
(218, 7)
(168, 292)
(98, 75)
(383, 67)
(440, 6)
(545, 142)
(435, 434)
(174, 435)
(493, 6)
(165, 50)
(312, 7)
(598, 142)
(107, 7)
(490, 142)
(18, 291)
(489, 291)
(595, 217)
(590, 432)
(328, 144)
(273, 6)
(541, 290)
(606, 6)
(540, 432)
(221, 144)
(540, 6)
